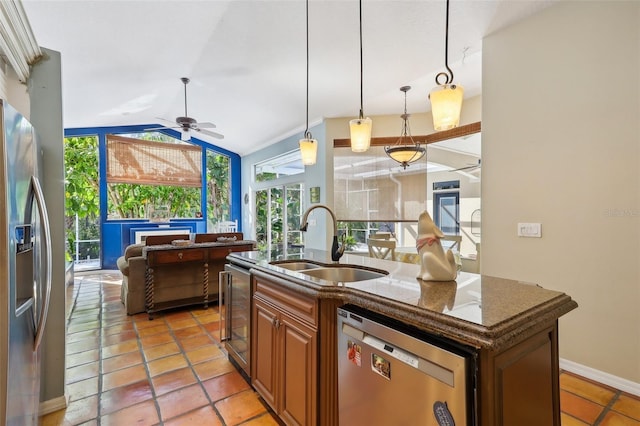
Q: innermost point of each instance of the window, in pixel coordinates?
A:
(82, 207)
(150, 172)
(288, 164)
(218, 187)
(278, 213)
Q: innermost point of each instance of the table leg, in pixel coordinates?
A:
(148, 292)
(206, 285)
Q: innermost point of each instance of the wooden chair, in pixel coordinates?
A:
(227, 226)
(382, 249)
(380, 236)
(457, 241)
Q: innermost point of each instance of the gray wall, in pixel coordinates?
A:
(45, 93)
(315, 175)
(561, 146)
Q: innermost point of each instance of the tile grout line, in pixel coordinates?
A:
(191, 366)
(607, 408)
(145, 364)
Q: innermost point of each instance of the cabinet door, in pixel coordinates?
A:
(299, 366)
(264, 351)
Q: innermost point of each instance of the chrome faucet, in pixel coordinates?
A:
(336, 250)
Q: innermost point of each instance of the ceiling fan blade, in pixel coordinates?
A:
(469, 167)
(210, 133)
(464, 169)
(151, 129)
(166, 121)
(206, 125)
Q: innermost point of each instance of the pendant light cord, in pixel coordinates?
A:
(361, 63)
(448, 77)
(307, 133)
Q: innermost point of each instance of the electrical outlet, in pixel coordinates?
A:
(530, 230)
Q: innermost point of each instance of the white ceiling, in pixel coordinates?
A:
(122, 60)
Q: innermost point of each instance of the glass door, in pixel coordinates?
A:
(275, 207)
(446, 212)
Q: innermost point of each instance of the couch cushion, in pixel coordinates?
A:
(134, 250)
(123, 265)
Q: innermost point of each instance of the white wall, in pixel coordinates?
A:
(561, 146)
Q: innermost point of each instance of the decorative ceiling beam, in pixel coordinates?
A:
(456, 132)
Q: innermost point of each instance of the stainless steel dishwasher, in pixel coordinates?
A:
(393, 374)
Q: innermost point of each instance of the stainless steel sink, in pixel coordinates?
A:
(296, 265)
(344, 273)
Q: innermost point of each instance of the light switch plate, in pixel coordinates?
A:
(530, 230)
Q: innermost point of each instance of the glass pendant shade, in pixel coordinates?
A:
(360, 134)
(446, 104)
(405, 154)
(308, 151)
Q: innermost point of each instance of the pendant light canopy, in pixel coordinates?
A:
(446, 98)
(360, 127)
(405, 150)
(308, 145)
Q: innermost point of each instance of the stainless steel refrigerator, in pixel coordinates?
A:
(25, 269)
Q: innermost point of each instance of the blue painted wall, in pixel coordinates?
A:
(115, 234)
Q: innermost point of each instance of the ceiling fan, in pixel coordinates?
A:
(470, 168)
(187, 124)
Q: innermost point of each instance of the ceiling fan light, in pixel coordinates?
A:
(308, 151)
(446, 105)
(360, 134)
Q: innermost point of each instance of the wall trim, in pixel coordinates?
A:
(53, 405)
(601, 377)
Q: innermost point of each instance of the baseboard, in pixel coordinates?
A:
(601, 377)
(53, 405)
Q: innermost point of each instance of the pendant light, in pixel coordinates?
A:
(446, 98)
(405, 150)
(308, 145)
(360, 127)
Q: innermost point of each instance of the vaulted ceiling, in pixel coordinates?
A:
(122, 60)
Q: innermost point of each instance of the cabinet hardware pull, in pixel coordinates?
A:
(180, 255)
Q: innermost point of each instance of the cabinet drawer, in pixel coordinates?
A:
(298, 306)
(223, 252)
(177, 256)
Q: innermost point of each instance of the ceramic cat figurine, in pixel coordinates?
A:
(436, 265)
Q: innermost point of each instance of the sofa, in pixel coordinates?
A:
(171, 282)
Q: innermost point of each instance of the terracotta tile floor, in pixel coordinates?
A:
(126, 370)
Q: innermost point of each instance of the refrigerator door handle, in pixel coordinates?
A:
(46, 233)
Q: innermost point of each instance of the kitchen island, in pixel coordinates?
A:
(511, 326)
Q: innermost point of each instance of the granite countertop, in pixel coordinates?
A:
(162, 247)
(478, 310)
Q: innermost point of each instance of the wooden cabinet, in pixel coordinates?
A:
(284, 352)
(186, 275)
(520, 384)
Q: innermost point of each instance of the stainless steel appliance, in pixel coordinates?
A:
(235, 331)
(392, 374)
(25, 270)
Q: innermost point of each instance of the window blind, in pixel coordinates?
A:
(137, 161)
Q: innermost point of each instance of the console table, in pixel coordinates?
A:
(210, 257)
